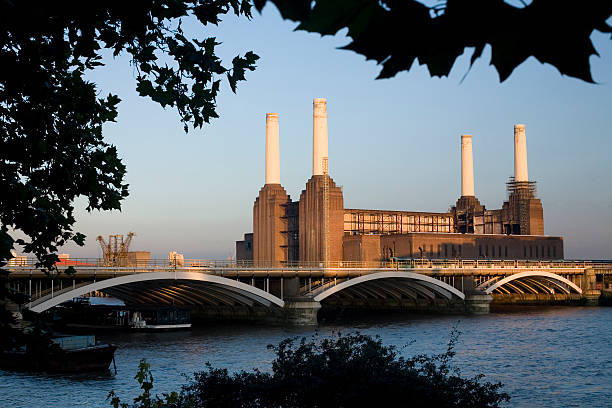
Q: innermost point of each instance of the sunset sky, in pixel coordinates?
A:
(393, 144)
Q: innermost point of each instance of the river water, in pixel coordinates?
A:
(553, 357)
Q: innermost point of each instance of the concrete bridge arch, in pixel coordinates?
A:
(530, 282)
(180, 287)
(393, 284)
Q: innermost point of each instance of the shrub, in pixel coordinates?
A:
(352, 370)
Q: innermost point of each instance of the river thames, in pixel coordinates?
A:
(553, 357)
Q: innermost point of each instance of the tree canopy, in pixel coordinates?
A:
(352, 370)
(51, 143)
(396, 33)
(52, 148)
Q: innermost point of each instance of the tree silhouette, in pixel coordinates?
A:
(51, 143)
(396, 33)
(352, 370)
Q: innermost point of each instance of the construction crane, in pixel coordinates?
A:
(115, 251)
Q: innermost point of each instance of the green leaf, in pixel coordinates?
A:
(395, 33)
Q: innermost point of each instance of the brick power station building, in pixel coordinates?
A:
(318, 228)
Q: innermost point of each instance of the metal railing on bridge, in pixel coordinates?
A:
(415, 263)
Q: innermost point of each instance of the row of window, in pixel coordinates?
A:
(528, 251)
(540, 254)
(427, 251)
(359, 223)
(397, 218)
(352, 229)
(484, 251)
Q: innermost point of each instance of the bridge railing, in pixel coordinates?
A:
(22, 263)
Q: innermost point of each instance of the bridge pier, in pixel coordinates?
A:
(301, 311)
(477, 302)
(591, 297)
(589, 288)
(298, 310)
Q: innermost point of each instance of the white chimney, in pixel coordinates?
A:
(272, 150)
(520, 154)
(467, 166)
(319, 136)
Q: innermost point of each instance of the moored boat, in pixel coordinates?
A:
(72, 354)
(160, 318)
(81, 315)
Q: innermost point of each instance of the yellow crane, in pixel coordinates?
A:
(115, 251)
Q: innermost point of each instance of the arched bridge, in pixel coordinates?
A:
(396, 285)
(180, 287)
(417, 282)
(533, 282)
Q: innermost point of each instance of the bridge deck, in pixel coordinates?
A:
(89, 267)
(110, 272)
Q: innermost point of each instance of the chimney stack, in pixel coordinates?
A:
(520, 154)
(319, 136)
(467, 166)
(272, 150)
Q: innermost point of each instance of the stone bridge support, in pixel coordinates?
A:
(589, 291)
(299, 310)
(477, 302)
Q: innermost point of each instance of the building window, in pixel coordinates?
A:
(479, 250)
(459, 248)
(537, 256)
(549, 251)
(487, 251)
(493, 251)
(524, 252)
(499, 253)
(554, 251)
(431, 250)
(445, 251)
(530, 251)
(506, 251)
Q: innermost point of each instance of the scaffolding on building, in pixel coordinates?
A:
(523, 189)
(519, 194)
(358, 222)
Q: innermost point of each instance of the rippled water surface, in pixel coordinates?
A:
(554, 357)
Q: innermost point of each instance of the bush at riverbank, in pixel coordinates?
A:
(343, 371)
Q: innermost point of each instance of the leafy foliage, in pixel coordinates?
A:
(144, 376)
(9, 335)
(396, 33)
(51, 118)
(344, 371)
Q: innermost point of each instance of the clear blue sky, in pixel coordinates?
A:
(393, 144)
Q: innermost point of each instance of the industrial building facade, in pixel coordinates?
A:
(318, 228)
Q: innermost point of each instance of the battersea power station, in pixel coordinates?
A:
(318, 227)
